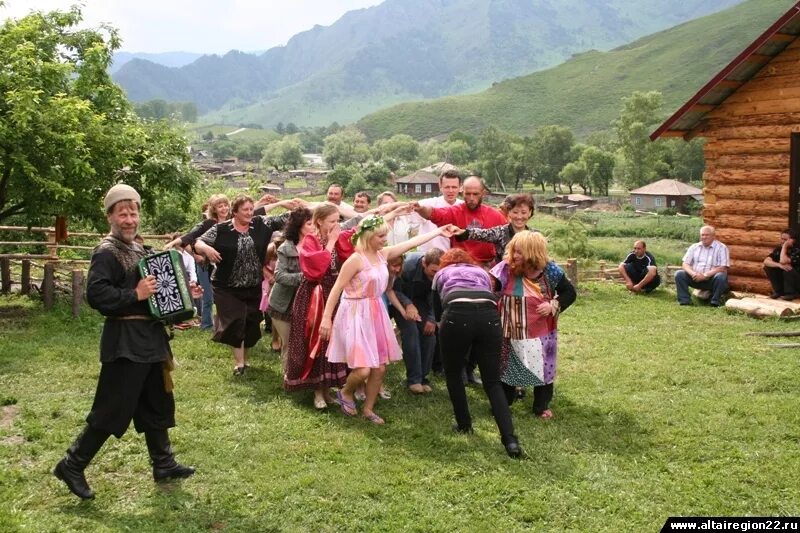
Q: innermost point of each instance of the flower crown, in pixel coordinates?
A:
(368, 224)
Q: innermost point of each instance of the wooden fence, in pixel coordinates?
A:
(48, 274)
(68, 277)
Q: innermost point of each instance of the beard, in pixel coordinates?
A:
(126, 235)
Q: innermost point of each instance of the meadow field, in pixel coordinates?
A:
(660, 410)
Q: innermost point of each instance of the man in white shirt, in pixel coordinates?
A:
(335, 194)
(705, 266)
(449, 186)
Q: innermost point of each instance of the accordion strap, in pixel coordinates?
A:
(130, 317)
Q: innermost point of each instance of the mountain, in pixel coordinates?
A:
(401, 50)
(584, 92)
(168, 59)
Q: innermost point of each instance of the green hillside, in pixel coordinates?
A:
(584, 92)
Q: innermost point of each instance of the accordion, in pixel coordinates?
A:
(172, 301)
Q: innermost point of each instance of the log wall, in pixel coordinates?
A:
(746, 194)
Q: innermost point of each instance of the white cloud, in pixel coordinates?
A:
(207, 26)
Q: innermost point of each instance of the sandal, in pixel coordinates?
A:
(239, 371)
(385, 394)
(546, 414)
(375, 419)
(360, 395)
(347, 407)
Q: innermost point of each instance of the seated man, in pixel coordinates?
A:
(418, 325)
(639, 270)
(705, 266)
(782, 267)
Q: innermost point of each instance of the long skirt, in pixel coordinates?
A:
(301, 372)
(238, 317)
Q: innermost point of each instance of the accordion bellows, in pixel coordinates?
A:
(172, 301)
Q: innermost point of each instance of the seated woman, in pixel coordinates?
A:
(471, 324)
(534, 291)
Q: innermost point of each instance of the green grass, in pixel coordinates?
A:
(659, 410)
(584, 92)
(611, 235)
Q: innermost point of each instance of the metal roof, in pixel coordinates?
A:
(766, 46)
(420, 176)
(668, 187)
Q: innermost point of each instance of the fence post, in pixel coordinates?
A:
(49, 285)
(603, 275)
(572, 271)
(77, 292)
(5, 274)
(26, 277)
(52, 244)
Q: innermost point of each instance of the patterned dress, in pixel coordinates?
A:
(307, 366)
(362, 335)
(530, 341)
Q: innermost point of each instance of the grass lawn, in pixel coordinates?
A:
(659, 410)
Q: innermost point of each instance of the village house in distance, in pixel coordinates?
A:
(665, 194)
(749, 113)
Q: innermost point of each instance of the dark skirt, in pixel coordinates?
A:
(238, 317)
(323, 373)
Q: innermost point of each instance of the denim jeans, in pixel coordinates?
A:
(204, 280)
(474, 327)
(717, 285)
(417, 349)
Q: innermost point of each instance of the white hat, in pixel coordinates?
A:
(120, 192)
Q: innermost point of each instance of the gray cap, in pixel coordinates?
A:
(120, 192)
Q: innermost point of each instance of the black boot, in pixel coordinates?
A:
(512, 446)
(164, 465)
(70, 468)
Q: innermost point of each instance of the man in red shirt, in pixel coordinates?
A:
(471, 214)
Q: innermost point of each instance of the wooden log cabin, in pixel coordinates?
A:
(749, 114)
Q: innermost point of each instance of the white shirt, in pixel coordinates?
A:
(702, 258)
(425, 226)
(188, 265)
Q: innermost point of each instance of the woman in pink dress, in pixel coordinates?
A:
(364, 338)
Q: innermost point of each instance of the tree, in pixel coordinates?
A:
(640, 112)
(493, 150)
(208, 136)
(551, 151)
(401, 148)
(67, 132)
(283, 153)
(346, 147)
(684, 160)
(280, 128)
(377, 175)
(357, 183)
(572, 174)
(599, 166)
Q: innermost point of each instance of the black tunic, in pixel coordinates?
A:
(111, 289)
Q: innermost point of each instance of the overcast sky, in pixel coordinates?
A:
(203, 26)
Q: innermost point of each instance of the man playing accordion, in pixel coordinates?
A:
(135, 356)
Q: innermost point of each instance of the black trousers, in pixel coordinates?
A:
(783, 282)
(131, 391)
(542, 396)
(474, 328)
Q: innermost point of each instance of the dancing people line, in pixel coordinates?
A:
(329, 304)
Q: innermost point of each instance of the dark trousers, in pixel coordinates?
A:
(637, 275)
(783, 282)
(542, 396)
(131, 391)
(474, 327)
